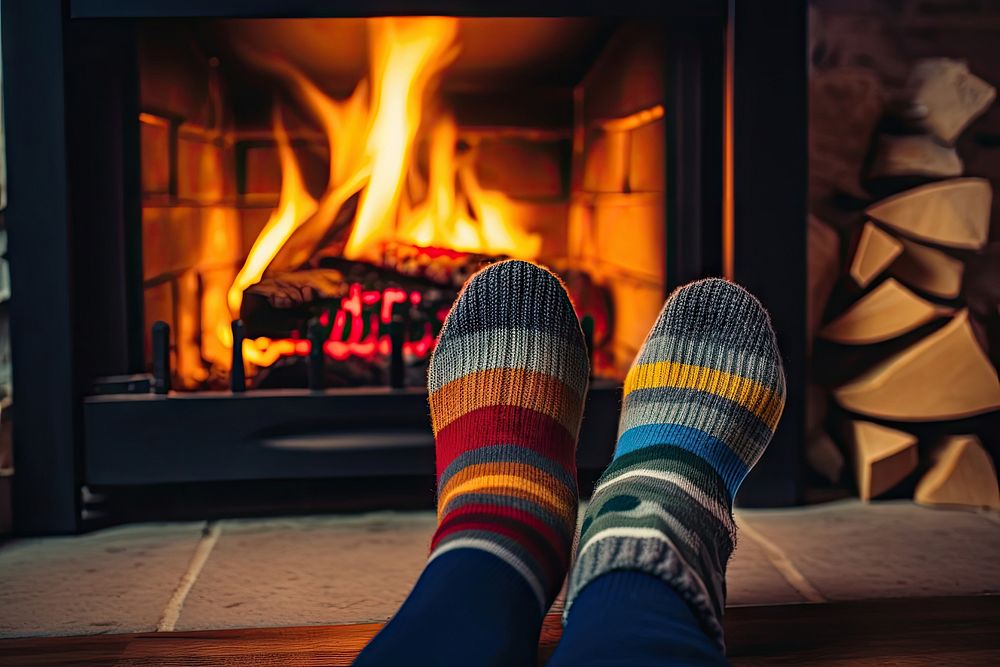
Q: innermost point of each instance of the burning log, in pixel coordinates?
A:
(285, 302)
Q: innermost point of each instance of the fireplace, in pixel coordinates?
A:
(258, 216)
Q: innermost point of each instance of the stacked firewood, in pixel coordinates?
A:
(904, 394)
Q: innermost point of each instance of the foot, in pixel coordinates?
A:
(507, 382)
(701, 403)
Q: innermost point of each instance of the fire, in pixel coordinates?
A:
(295, 205)
(373, 137)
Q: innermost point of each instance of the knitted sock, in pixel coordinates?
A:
(701, 403)
(506, 383)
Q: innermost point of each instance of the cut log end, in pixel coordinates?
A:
(961, 475)
(875, 252)
(883, 457)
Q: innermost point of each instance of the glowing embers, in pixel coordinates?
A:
(359, 327)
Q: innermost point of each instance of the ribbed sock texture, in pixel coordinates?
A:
(506, 383)
(701, 403)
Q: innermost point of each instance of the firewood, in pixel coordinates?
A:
(824, 457)
(928, 269)
(954, 213)
(951, 95)
(284, 302)
(944, 376)
(887, 311)
(961, 474)
(882, 457)
(824, 267)
(331, 221)
(875, 252)
(914, 155)
(845, 104)
(284, 290)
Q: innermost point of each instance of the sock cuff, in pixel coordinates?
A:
(656, 556)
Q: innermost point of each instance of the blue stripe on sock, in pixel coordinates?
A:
(730, 467)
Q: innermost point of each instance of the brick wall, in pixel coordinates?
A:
(617, 223)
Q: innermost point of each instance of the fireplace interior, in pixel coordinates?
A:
(326, 180)
(237, 227)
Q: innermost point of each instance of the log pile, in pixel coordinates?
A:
(905, 398)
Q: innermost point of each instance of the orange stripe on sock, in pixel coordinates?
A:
(753, 396)
(515, 479)
(518, 387)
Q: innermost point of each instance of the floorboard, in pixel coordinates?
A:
(930, 631)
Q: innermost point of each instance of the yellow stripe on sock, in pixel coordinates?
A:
(753, 396)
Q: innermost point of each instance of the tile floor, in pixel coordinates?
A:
(346, 569)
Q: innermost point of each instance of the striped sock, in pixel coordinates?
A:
(702, 400)
(507, 382)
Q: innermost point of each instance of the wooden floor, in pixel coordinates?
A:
(928, 631)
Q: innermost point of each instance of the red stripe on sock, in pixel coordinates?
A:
(506, 424)
(558, 542)
(461, 525)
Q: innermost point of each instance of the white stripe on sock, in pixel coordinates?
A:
(720, 512)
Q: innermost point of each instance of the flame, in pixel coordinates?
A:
(295, 205)
(407, 53)
(373, 136)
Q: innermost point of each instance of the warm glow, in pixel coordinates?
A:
(406, 54)
(373, 137)
(295, 206)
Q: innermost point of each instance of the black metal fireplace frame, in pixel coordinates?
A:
(76, 310)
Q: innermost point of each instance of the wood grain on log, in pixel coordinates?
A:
(962, 474)
(928, 269)
(875, 252)
(944, 376)
(887, 311)
(882, 457)
(954, 213)
(950, 93)
(914, 155)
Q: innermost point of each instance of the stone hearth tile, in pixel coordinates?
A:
(309, 571)
(110, 581)
(752, 579)
(851, 550)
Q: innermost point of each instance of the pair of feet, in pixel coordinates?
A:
(507, 384)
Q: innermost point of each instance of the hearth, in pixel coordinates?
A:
(241, 224)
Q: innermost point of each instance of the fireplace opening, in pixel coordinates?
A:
(331, 183)
(237, 236)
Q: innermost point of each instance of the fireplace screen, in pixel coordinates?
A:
(332, 182)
